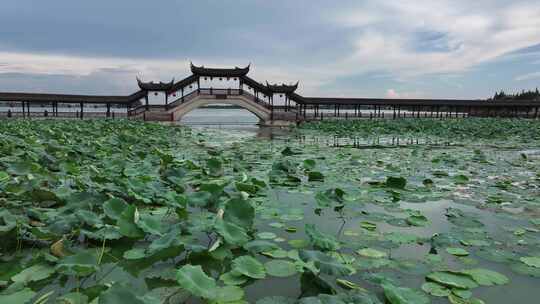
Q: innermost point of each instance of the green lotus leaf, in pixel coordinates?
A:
(4, 176)
(372, 253)
(199, 199)
(172, 239)
(151, 224)
(214, 167)
(258, 246)
(83, 263)
(298, 244)
(401, 238)
(128, 223)
(239, 212)
(195, 281)
(325, 263)
(90, 218)
(321, 240)
(330, 197)
(232, 233)
(533, 261)
(315, 176)
(249, 266)
(396, 182)
(462, 293)
(33, 273)
(266, 235)
(486, 277)
(73, 298)
(233, 278)
(457, 251)
(417, 220)
(403, 295)
(461, 179)
(454, 299)
(135, 254)
(368, 225)
(435, 289)
(228, 294)
(21, 296)
(452, 279)
(276, 300)
(279, 268)
(114, 207)
(8, 221)
(121, 294)
(276, 254)
(309, 164)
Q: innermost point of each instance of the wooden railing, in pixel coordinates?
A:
(217, 93)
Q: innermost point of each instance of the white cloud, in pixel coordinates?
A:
(392, 93)
(474, 33)
(53, 64)
(528, 76)
(386, 38)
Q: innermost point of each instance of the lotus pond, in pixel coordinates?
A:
(131, 212)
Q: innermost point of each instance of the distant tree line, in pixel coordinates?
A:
(524, 95)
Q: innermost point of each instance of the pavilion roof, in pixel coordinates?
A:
(183, 83)
(67, 98)
(282, 88)
(152, 86)
(412, 102)
(214, 72)
(256, 85)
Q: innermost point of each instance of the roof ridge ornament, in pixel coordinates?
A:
(219, 72)
(152, 86)
(282, 88)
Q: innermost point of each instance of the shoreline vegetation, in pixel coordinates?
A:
(460, 128)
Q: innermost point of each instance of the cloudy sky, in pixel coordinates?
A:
(362, 48)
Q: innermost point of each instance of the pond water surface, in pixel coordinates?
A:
(372, 211)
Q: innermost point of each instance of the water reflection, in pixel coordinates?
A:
(241, 124)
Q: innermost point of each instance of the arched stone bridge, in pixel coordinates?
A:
(177, 109)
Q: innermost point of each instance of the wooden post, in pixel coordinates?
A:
(82, 110)
(23, 110)
(272, 108)
(108, 110)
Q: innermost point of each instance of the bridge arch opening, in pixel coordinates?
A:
(233, 111)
